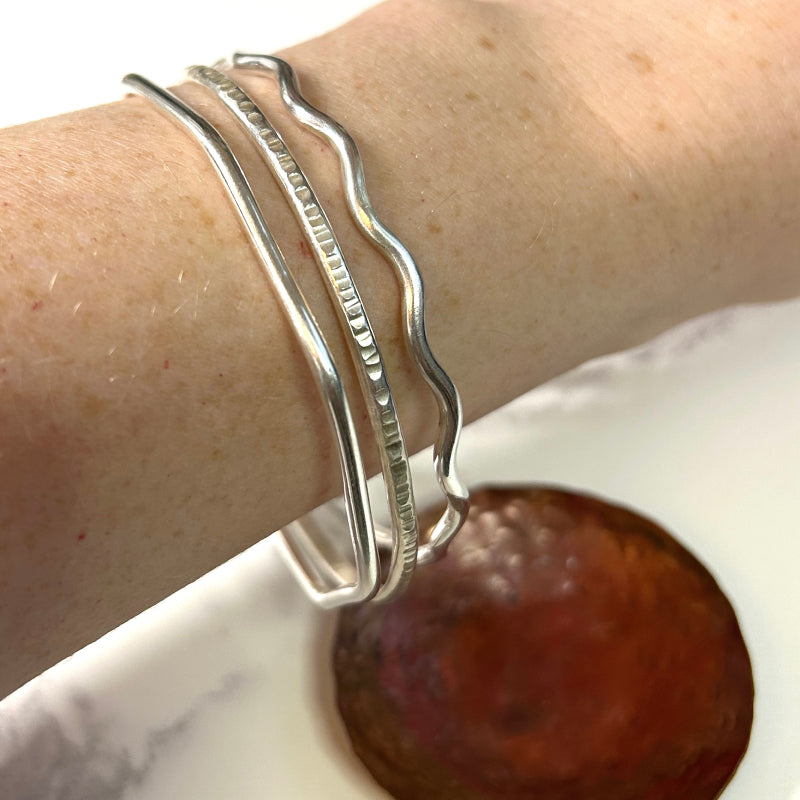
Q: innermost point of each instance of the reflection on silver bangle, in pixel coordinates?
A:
(314, 542)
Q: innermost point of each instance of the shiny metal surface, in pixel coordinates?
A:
(329, 588)
(448, 401)
(359, 334)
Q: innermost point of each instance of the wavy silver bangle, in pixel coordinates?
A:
(448, 401)
(329, 586)
(404, 534)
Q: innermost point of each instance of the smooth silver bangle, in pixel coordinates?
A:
(329, 588)
(404, 534)
(447, 398)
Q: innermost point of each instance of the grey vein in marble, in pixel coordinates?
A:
(42, 759)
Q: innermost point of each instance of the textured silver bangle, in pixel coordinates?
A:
(331, 587)
(448, 401)
(354, 321)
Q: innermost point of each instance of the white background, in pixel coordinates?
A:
(59, 56)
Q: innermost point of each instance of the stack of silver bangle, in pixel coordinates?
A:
(331, 577)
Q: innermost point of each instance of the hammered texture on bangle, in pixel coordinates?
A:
(360, 207)
(334, 590)
(352, 316)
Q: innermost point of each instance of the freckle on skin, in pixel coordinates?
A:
(473, 96)
(641, 62)
(81, 536)
(304, 249)
(37, 305)
(486, 43)
(524, 114)
(434, 227)
(93, 406)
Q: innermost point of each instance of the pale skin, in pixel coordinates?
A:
(572, 179)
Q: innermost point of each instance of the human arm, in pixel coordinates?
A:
(571, 180)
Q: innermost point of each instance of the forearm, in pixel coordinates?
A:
(568, 187)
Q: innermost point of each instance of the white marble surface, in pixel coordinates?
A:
(223, 691)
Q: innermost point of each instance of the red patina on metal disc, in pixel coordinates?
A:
(565, 649)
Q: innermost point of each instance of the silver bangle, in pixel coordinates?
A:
(336, 590)
(447, 398)
(314, 542)
(404, 535)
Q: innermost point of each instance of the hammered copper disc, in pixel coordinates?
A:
(565, 649)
